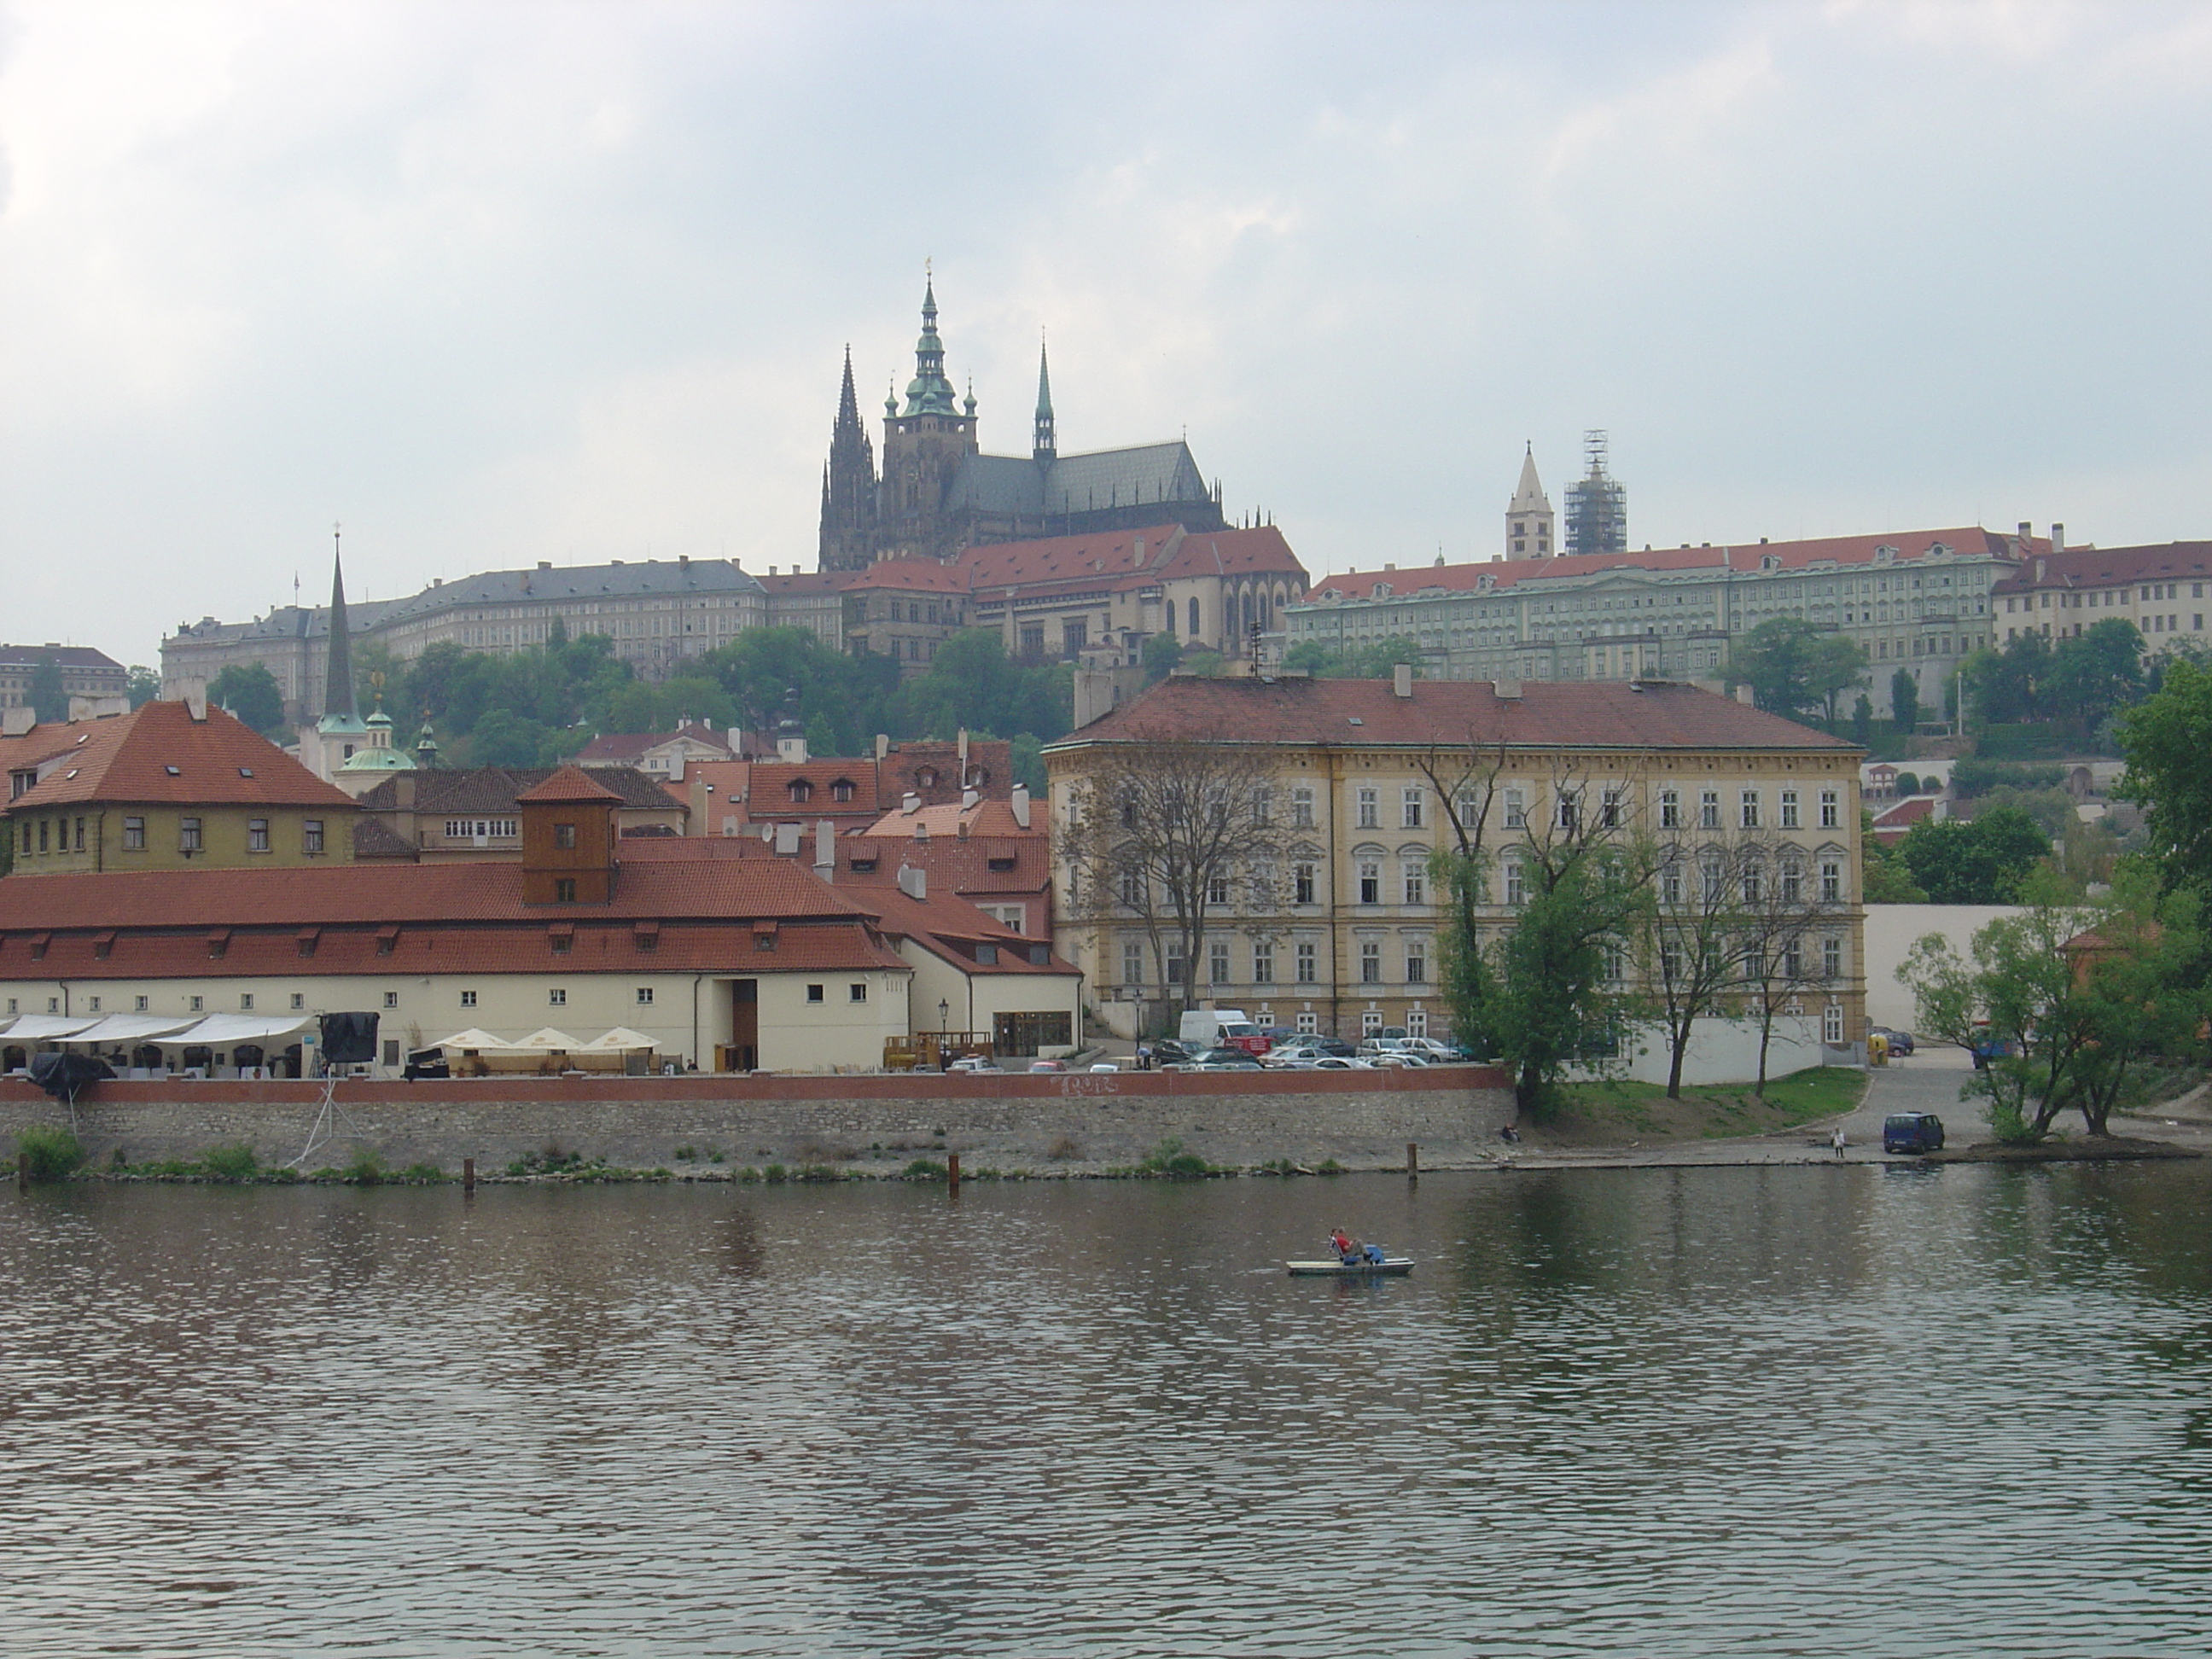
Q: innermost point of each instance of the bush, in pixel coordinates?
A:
(1170, 1160)
(775, 1174)
(923, 1168)
(367, 1169)
(53, 1154)
(1976, 777)
(1908, 783)
(236, 1162)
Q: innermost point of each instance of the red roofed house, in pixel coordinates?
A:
(2160, 589)
(721, 955)
(171, 786)
(661, 755)
(1331, 920)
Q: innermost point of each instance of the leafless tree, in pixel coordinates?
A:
(1169, 835)
(1783, 923)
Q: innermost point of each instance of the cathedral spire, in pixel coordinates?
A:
(1528, 520)
(930, 393)
(338, 696)
(848, 484)
(1044, 447)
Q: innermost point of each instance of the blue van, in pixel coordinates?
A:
(1913, 1131)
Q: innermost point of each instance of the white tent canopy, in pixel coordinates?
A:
(46, 1028)
(222, 1030)
(546, 1038)
(620, 1037)
(131, 1028)
(480, 1040)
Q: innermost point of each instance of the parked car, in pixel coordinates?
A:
(1913, 1131)
(1048, 1066)
(1439, 1053)
(1105, 1065)
(1340, 1063)
(1334, 1046)
(1168, 1052)
(975, 1063)
(1225, 1060)
(1901, 1043)
(1405, 1059)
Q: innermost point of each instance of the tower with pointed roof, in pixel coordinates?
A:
(1597, 503)
(924, 445)
(1044, 447)
(850, 486)
(1529, 517)
(341, 732)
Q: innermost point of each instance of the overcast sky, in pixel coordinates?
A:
(494, 284)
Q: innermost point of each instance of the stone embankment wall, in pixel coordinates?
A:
(1038, 1122)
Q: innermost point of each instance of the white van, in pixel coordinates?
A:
(1218, 1028)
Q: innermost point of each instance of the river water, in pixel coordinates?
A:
(1782, 1411)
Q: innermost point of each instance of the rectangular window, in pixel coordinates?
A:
(1307, 1024)
(1216, 889)
(1670, 809)
(1416, 806)
(1712, 882)
(1832, 1025)
(391, 1051)
(1308, 964)
(1302, 883)
(1263, 806)
(1748, 805)
(1517, 809)
(565, 836)
(139, 1001)
(557, 997)
(1609, 811)
(1469, 807)
(1570, 809)
(311, 836)
(1670, 883)
(1174, 963)
(645, 996)
(134, 835)
(299, 1000)
(1302, 807)
(1516, 885)
(1132, 965)
(564, 889)
(1371, 1022)
(391, 1000)
(245, 1002)
(1370, 808)
(1263, 964)
(92, 1006)
(1793, 883)
(1831, 808)
(257, 835)
(195, 1005)
(1708, 810)
(1789, 809)
(1832, 958)
(1132, 889)
(1216, 962)
(1793, 963)
(1417, 964)
(80, 823)
(188, 835)
(1370, 963)
(1832, 882)
(1370, 881)
(1417, 886)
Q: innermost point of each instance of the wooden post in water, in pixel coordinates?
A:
(23, 1172)
(468, 1177)
(1412, 1161)
(952, 1173)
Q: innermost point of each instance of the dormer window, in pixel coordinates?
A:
(801, 790)
(842, 789)
(1381, 591)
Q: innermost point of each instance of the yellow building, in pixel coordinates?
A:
(172, 786)
(1326, 917)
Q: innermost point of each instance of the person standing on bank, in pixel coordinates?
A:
(1836, 1141)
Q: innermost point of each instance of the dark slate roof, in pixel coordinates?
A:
(1143, 475)
(373, 839)
(65, 656)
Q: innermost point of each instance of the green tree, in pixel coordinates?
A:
(1378, 660)
(1883, 879)
(49, 700)
(2008, 687)
(250, 691)
(1983, 859)
(2166, 740)
(2095, 674)
(1863, 721)
(502, 737)
(1163, 652)
(1904, 701)
(142, 686)
(1796, 668)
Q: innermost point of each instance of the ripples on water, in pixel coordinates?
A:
(1789, 1412)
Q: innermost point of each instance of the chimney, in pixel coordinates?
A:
(883, 746)
(825, 849)
(1020, 802)
(196, 698)
(14, 722)
(963, 828)
(697, 824)
(963, 754)
(2027, 530)
(1506, 690)
(913, 881)
(909, 803)
(2057, 539)
(1401, 680)
(787, 839)
(402, 791)
(969, 800)
(1743, 696)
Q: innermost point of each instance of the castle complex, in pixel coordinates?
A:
(938, 492)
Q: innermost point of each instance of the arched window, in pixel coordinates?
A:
(1194, 619)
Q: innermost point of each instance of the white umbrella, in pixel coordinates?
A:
(473, 1038)
(620, 1037)
(222, 1030)
(131, 1028)
(547, 1038)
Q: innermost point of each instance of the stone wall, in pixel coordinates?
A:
(1070, 1121)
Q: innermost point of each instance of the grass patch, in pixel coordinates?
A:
(1617, 1109)
(924, 1169)
(52, 1154)
(238, 1162)
(1170, 1160)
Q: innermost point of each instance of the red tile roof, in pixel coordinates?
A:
(632, 745)
(1502, 574)
(906, 576)
(570, 784)
(1548, 714)
(158, 753)
(1119, 558)
(2104, 567)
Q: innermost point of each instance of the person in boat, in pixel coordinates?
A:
(1346, 1251)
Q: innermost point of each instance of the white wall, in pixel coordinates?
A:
(1727, 1051)
(1892, 930)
